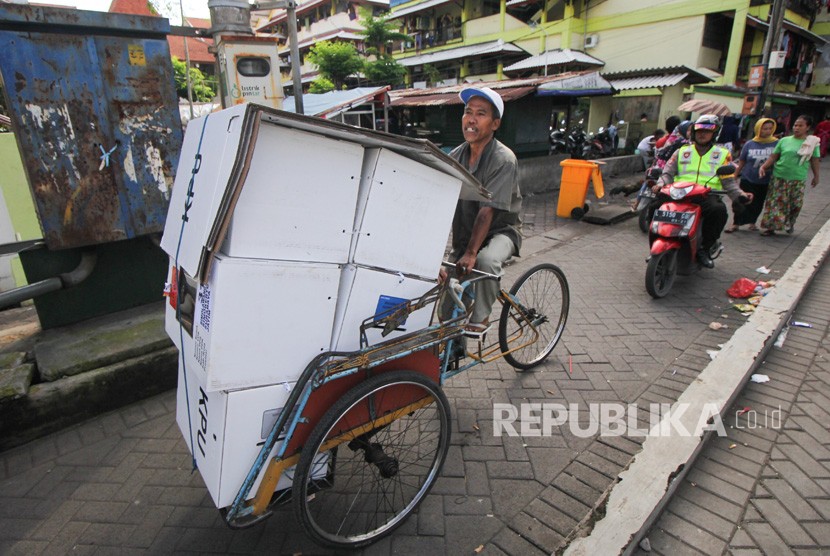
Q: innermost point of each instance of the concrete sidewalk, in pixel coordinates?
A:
(122, 481)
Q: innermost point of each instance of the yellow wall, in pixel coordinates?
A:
(482, 26)
(553, 42)
(672, 98)
(646, 46)
(531, 45)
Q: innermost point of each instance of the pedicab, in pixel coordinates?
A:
(357, 438)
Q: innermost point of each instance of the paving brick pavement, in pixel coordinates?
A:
(763, 488)
(122, 482)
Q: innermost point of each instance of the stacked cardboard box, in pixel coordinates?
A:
(284, 234)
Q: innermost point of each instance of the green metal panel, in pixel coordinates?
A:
(127, 274)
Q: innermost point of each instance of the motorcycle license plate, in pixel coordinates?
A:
(672, 217)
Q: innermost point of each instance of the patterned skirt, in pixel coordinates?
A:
(784, 201)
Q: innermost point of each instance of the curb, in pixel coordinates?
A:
(642, 491)
(52, 406)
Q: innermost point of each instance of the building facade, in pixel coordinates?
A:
(644, 46)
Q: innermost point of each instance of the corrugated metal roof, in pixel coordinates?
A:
(648, 82)
(460, 52)
(693, 76)
(334, 102)
(437, 99)
(417, 8)
(556, 57)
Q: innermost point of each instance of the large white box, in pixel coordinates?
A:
(210, 145)
(226, 430)
(258, 322)
(404, 214)
(295, 205)
(363, 291)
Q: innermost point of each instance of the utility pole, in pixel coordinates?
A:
(772, 41)
(233, 16)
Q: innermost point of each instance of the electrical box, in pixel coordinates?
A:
(251, 71)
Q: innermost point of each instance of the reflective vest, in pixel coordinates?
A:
(700, 169)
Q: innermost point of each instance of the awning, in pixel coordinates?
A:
(491, 47)
(449, 98)
(585, 85)
(518, 3)
(648, 82)
(509, 90)
(330, 104)
(647, 78)
(556, 57)
(417, 8)
(797, 29)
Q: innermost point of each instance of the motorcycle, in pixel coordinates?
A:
(644, 205)
(675, 235)
(558, 141)
(576, 141)
(599, 146)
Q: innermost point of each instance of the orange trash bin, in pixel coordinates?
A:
(573, 188)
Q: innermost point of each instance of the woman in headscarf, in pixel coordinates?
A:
(793, 156)
(754, 153)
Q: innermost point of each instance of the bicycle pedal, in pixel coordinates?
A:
(477, 334)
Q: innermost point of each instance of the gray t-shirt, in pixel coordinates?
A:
(754, 154)
(498, 172)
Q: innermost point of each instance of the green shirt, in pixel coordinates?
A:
(498, 172)
(789, 166)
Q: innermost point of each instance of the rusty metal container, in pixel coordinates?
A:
(93, 103)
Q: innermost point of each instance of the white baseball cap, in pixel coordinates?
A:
(486, 93)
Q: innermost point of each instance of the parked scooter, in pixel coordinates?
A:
(675, 234)
(576, 141)
(559, 140)
(599, 145)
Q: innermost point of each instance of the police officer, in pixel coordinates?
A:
(698, 162)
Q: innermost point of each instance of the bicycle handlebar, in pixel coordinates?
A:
(481, 273)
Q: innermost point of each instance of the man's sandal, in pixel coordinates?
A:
(476, 329)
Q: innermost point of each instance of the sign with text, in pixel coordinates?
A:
(756, 76)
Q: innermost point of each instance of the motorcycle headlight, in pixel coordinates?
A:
(678, 193)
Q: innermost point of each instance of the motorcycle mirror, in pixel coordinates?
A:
(725, 170)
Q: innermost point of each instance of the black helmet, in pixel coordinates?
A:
(708, 122)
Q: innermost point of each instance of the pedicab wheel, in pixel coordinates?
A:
(542, 300)
(660, 273)
(359, 477)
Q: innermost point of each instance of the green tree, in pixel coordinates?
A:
(378, 32)
(202, 89)
(384, 71)
(335, 60)
(320, 85)
(432, 75)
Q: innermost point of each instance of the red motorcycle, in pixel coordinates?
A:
(675, 235)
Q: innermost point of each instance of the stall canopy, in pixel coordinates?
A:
(570, 84)
(587, 84)
(333, 103)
